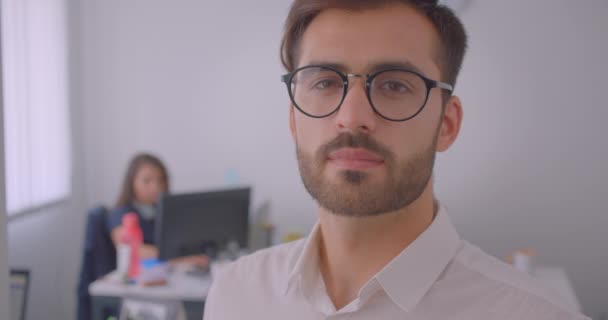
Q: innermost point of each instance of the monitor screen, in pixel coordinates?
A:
(202, 222)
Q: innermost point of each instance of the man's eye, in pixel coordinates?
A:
(325, 84)
(395, 86)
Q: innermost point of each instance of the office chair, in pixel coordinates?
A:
(19, 285)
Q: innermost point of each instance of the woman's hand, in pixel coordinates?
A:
(148, 252)
(200, 261)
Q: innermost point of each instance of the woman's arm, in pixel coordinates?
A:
(151, 252)
(200, 261)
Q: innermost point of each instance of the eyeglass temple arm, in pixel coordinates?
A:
(443, 85)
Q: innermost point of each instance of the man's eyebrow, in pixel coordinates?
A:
(396, 65)
(328, 64)
(372, 67)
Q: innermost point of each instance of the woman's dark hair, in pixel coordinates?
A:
(127, 195)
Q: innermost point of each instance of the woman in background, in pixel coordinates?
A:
(145, 182)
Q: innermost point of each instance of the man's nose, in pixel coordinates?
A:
(356, 113)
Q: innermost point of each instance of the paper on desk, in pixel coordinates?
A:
(157, 274)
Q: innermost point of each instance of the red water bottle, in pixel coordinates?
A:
(132, 237)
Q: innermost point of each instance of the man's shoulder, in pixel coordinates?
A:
(270, 265)
(252, 283)
(501, 285)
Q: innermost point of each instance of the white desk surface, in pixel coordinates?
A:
(180, 287)
(557, 279)
(184, 287)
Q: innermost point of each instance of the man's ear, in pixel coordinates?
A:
(450, 124)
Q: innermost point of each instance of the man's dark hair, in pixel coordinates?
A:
(451, 31)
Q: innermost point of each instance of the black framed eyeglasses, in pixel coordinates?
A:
(394, 94)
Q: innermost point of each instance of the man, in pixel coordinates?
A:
(370, 84)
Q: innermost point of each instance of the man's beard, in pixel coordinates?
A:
(357, 193)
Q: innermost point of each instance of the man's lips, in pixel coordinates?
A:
(354, 159)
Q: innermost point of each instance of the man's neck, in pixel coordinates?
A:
(353, 249)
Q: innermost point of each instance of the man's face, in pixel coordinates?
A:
(354, 162)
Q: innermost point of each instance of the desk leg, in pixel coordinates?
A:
(194, 310)
(105, 307)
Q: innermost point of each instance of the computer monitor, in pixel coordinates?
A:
(202, 222)
(19, 283)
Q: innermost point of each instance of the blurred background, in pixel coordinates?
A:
(197, 83)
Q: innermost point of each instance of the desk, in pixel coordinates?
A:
(188, 289)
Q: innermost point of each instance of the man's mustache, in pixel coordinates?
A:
(358, 140)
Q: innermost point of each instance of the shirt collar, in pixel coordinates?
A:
(307, 263)
(406, 279)
(409, 276)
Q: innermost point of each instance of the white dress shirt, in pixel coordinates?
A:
(438, 276)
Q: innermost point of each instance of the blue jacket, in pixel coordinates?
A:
(98, 258)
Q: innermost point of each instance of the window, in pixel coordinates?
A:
(35, 93)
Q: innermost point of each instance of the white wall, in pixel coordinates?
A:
(198, 83)
(530, 166)
(48, 241)
(4, 284)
